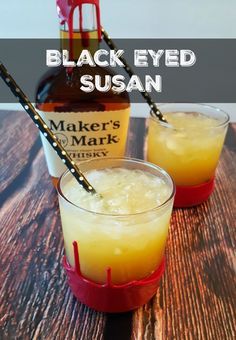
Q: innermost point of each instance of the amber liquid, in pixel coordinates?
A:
(59, 91)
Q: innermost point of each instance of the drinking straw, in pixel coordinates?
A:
(47, 133)
(154, 109)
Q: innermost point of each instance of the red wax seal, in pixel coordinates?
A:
(66, 10)
(189, 196)
(109, 297)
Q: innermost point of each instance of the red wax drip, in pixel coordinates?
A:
(76, 257)
(109, 297)
(77, 264)
(66, 10)
(109, 283)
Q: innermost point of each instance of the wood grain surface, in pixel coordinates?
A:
(197, 295)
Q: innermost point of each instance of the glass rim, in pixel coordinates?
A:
(129, 159)
(202, 105)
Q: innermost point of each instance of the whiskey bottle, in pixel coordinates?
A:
(88, 125)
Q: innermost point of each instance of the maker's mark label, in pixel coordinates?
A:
(85, 135)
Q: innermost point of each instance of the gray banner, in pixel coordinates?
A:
(211, 79)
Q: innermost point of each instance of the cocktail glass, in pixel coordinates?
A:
(114, 261)
(188, 152)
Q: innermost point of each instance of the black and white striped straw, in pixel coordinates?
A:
(154, 109)
(42, 126)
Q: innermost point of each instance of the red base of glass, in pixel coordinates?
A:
(109, 297)
(188, 196)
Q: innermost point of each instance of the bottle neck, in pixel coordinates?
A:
(81, 32)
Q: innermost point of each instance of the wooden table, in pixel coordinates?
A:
(197, 293)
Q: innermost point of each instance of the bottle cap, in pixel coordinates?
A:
(65, 9)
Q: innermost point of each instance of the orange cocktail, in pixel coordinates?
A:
(124, 228)
(189, 148)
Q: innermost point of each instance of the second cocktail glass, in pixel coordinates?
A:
(189, 148)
